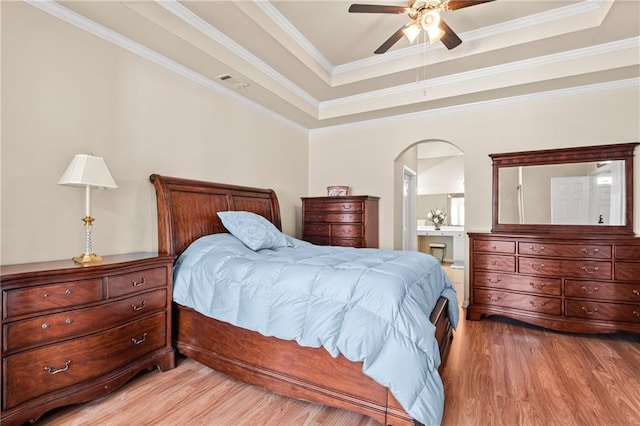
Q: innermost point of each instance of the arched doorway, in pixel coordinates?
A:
(438, 167)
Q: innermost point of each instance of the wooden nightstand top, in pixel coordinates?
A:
(108, 262)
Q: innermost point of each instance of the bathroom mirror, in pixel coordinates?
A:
(584, 189)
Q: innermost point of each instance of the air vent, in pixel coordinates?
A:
(230, 81)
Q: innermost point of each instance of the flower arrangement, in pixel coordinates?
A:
(437, 217)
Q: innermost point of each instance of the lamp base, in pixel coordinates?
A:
(88, 259)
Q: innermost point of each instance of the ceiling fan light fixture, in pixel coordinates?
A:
(435, 34)
(430, 22)
(430, 19)
(411, 32)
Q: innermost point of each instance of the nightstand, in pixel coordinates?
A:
(73, 333)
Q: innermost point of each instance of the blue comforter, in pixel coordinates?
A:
(370, 305)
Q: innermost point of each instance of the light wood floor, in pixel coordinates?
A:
(499, 372)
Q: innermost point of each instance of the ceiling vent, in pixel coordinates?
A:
(230, 81)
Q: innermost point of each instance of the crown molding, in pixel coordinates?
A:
(601, 49)
(599, 7)
(214, 34)
(511, 100)
(293, 33)
(55, 9)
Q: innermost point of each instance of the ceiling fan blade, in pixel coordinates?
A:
(390, 41)
(459, 4)
(450, 39)
(376, 8)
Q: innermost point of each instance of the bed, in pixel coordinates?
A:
(187, 210)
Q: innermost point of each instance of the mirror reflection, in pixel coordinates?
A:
(588, 193)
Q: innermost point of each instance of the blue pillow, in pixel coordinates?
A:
(253, 230)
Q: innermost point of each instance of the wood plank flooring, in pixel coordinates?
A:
(499, 372)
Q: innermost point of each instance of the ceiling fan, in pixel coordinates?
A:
(423, 15)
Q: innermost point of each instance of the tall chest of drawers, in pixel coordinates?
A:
(565, 283)
(350, 221)
(72, 333)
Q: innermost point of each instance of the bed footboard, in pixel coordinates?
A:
(286, 368)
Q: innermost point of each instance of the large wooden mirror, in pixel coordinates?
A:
(570, 190)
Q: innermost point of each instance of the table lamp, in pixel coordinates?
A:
(86, 170)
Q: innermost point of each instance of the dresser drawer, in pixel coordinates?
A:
(537, 285)
(346, 242)
(143, 280)
(565, 268)
(627, 271)
(334, 217)
(334, 206)
(587, 251)
(603, 291)
(316, 229)
(48, 328)
(52, 296)
(545, 305)
(507, 247)
(37, 372)
(628, 252)
(321, 241)
(495, 262)
(346, 231)
(603, 311)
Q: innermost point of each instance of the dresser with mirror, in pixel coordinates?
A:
(561, 253)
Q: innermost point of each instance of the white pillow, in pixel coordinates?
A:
(253, 230)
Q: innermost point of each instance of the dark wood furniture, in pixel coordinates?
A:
(350, 221)
(72, 333)
(576, 284)
(582, 278)
(187, 210)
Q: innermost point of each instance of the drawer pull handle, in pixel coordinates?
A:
(636, 292)
(535, 250)
(590, 290)
(537, 286)
(138, 283)
(69, 321)
(494, 281)
(494, 298)
(137, 342)
(69, 292)
(139, 307)
(590, 252)
(586, 269)
(59, 370)
(636, 313)
(493, 246)
(588, 312)
(539, 305)
(46, 325)
(347, 206)
(539, 267)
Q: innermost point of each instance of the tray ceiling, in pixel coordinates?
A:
(311, 63)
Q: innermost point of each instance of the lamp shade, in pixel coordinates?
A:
(87, 170)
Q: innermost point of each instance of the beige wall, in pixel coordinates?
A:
(65, 91)
(369, 149)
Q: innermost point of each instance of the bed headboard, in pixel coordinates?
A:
(187, 209)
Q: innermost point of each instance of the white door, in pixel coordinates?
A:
(409, 221)
(570, 200)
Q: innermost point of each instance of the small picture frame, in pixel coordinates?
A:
(337, 191)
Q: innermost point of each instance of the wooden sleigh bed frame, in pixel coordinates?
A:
(186, 211)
